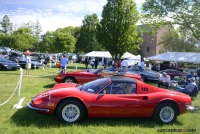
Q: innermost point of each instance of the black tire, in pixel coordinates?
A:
(71, 111)
(69, 79)
(143, 78)
(165, 113)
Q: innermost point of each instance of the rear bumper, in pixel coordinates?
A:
(37, 109)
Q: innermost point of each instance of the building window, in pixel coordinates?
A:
(148, 49)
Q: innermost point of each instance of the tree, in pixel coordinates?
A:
(6, 25)
(184, 14)
(46, 45)
(174, 42)
(117, 31)
(87, 41)
(63, 42)
(20, 39)
(37, 29)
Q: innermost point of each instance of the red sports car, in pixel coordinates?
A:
(172, 73)
(113, 96)
(89, 75)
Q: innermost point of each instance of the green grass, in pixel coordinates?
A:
(25, 121)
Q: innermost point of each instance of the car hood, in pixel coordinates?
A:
(63, 85)
(58, 89)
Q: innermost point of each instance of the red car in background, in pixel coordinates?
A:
(113, 96)
(89, 75)
(172, 73)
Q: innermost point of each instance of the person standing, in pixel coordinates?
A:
(86, 62)
(92, 63)
(96, 62)
(119, 63)
(124, 64)
(64, 62)
(28, 64)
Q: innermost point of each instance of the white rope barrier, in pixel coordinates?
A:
(19, 82)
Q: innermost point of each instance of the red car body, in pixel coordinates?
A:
(72, 102)
(89, 75)
(172, 73)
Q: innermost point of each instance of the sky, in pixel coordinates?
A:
(52, 14)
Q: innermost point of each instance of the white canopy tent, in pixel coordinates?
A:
(132, 59)
(177, 57)
(104, 54)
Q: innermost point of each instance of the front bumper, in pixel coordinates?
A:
(190, 108)
(37, 109)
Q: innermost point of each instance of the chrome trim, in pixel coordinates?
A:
(37, 109)
(190, 108)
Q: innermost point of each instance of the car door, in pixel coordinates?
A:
(109, 103)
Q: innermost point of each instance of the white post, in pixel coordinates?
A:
(65, 68)
(20, 81)
(50, 64)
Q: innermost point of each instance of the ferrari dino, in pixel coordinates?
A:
(113, 96)
(89, 75)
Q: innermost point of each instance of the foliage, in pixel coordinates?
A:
(182, 14)
(20, 39)
(117, 31)
(174, 43)
(87, 41)
(6, 25)
(63, 42)
(46, 45)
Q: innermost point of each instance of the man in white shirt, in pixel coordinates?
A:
(164, 80)
(124, 64)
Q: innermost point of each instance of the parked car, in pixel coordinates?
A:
(145, 72)
(6, 64)
(172, 73)
(34, 63)
(88, 75)
(113, 96)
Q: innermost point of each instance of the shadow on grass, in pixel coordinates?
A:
(49, 85)
(27, 117)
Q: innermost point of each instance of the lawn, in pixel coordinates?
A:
(25, 121)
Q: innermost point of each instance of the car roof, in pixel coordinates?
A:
(122, 79)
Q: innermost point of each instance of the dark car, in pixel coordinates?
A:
(34, 63)
(6, 64)
(145, 72)
(172, 73)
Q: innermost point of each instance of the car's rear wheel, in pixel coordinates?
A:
(166, 113)
(70, 111)
(69, 79)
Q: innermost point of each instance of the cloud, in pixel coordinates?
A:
(51, 14)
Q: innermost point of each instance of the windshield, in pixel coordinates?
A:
(94, 86)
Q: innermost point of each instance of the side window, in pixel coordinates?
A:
(120, 88)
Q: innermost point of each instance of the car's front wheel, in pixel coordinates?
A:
(69, 79)
(70, 111)
(166, 113)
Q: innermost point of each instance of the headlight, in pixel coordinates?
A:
(5, 65)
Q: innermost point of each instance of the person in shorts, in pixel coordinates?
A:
(28, 64)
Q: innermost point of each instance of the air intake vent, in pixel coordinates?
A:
(144, 89)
